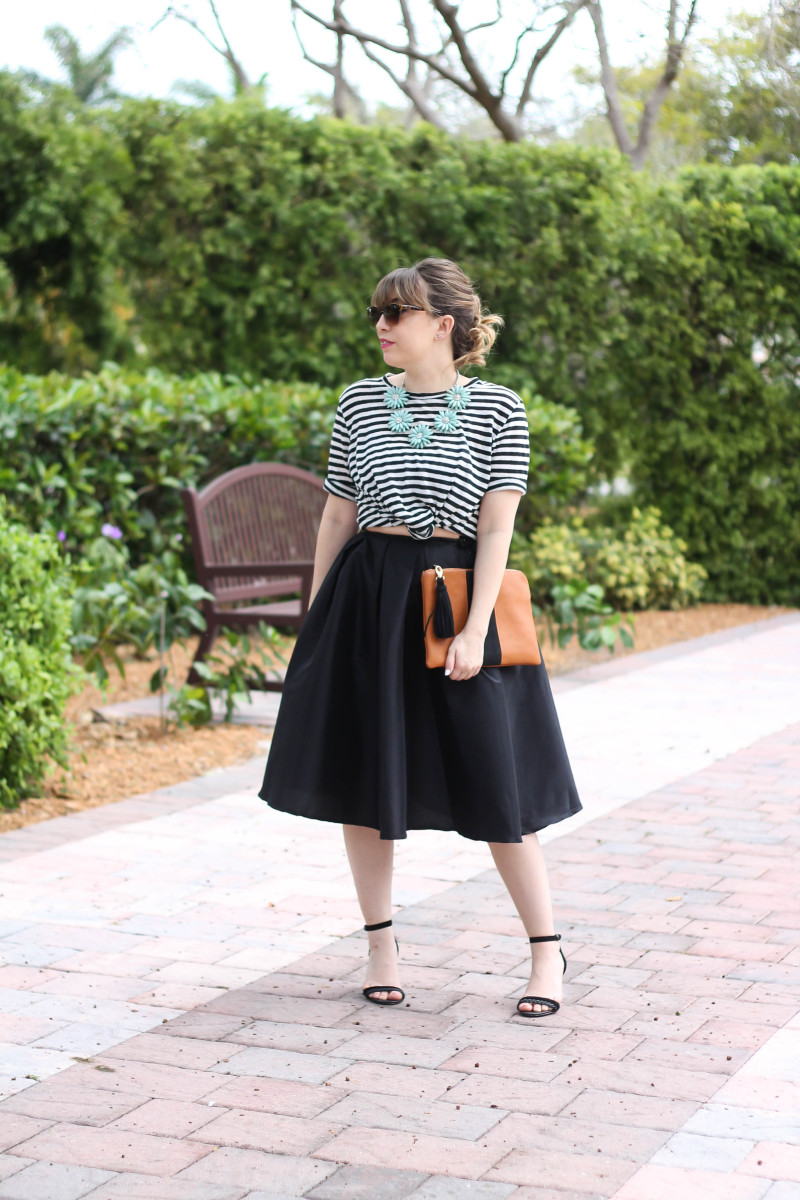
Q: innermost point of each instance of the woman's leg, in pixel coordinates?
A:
(371, 859)
(524, 872)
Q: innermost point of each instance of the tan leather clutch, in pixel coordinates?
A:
(446, 597)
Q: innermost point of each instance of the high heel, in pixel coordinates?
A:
(552, 1006)
(369, 992)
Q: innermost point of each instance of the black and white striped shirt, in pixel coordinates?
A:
(441, 484)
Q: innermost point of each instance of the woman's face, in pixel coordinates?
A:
(409, 340)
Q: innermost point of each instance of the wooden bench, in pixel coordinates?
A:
(254, 532)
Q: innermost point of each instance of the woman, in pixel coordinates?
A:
(426, 467)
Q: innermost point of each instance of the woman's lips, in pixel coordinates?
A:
(385, 343)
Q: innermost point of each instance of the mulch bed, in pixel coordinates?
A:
(111, 760)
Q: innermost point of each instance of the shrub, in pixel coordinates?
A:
(116, 448)
(647, 567)
(708, 367)
(116, 605)
(234, 237)
(642, 566)
(238, 665)
(36, 671)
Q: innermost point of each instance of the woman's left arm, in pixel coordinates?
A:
(495, 527)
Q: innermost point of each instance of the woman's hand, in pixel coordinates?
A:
(465, 655)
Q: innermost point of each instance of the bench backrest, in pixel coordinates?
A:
(264, 512)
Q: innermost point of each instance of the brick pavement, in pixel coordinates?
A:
(237, 1058)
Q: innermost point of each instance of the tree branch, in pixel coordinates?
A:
(569, 16)
(513, 63)
(240, 75)
(410, 87)
(341, 87)
(491, 102)
(609, 82)
(410, 51)
(418, 93)
(472, 79)
(486, 24)
(676, 48)
(675, 53)
(242, 81)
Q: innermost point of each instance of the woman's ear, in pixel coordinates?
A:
(444, 326)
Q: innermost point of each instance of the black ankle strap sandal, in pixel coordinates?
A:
(371, 992)
(551, 1006)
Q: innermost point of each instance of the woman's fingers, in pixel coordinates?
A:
(456, 666)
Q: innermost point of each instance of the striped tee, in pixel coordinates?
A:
(441, 484)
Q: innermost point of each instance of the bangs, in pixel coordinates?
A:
(404, 284)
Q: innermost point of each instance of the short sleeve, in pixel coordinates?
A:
(511, 453)
(338, 480)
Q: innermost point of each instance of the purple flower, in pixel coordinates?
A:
(178, 537)
(111, 531)
(62, 537)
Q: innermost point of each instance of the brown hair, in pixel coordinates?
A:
(441, 287)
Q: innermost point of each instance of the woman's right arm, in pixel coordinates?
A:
(338, 524)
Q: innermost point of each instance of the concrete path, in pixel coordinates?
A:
(180, 1007)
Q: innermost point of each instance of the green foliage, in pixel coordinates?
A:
(238, 665)
(565, 600)
(550, 556)
(236, 238)
(117, 447)
(736, 98)
(561, 460)
(579, 610)
(644, 565)
(710, 364)
(63, 301)
(151, 605)
(89, 75)
(36, 673)
(752, 89)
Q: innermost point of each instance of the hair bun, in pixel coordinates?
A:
(482, 336)
(440, 286)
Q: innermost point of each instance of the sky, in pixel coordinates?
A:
(262, 36)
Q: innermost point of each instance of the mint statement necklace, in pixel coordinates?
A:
(420, 433)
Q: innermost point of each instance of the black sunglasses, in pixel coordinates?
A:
(392, 312)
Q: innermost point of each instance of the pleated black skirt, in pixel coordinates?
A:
(366, 734)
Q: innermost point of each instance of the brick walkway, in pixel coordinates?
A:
(205, 1037)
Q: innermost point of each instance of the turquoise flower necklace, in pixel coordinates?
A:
(420, 433)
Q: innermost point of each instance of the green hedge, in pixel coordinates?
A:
(710, 364)
(117, 447)
(259, 239)
(241, 239)
(36, 672)
(641, 566)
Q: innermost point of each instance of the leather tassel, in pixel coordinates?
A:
(443, 625)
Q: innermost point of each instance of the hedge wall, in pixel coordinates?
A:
(710, 365)
(117, 447)
(240, 239)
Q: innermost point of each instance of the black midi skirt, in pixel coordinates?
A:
(366, 734)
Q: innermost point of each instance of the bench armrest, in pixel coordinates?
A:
(302, 567)
(297, 566)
